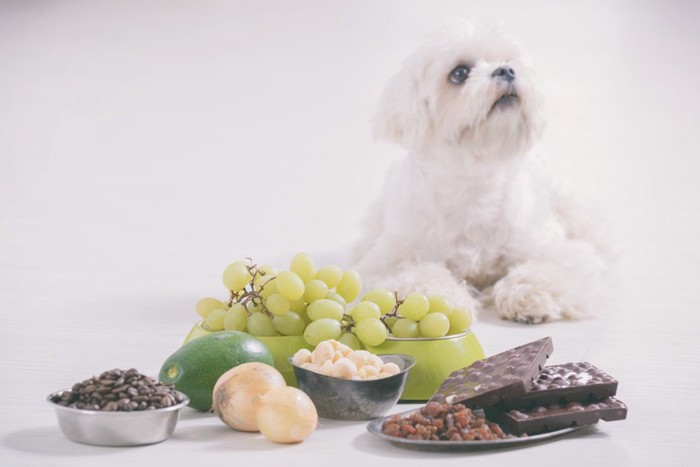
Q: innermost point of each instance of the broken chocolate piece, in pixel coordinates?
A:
(570, 382)
(541, 419)
(487, 382)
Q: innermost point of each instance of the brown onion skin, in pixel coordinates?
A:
(236, 391)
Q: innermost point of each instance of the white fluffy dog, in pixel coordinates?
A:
(470, 212)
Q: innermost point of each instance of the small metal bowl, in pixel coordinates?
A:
(117, 428)
(345, 399)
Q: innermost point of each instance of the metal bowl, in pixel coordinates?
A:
(117, 428)
(344, 399)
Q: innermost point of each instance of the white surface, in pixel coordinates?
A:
(144, 145)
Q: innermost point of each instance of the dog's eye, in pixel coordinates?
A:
(460, 74)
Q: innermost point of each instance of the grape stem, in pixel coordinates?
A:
(248, 293)
(394, 313)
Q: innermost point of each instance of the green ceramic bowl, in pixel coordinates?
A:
(435, 360)
(281, 347)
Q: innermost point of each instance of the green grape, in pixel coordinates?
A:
(414, 306)
(303, 266)
(331, 275)
(434, 325)
(382, 297)
(365, 310)
(259, 324)
(439, 304)
(235, 264)
(289, 324)
(236, 277)
(215, 320)
(206, 305)
(371, 332)
(269, 288)
(277, 304)
(297, 306)
(265, 273)
(460, 320)
(325, 308)
(321, 330)
(350, 340)
(333, 295)
(290, 285)
(350, 285)
(236, 318)
(390, 321)
(315, 289)
(405, 327)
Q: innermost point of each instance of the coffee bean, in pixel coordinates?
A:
(111, 406)
(119, 390)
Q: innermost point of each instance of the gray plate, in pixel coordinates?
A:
(375, 427)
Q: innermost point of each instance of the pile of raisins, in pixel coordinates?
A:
(443, 422)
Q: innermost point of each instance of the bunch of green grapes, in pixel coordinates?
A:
(313, 302)
(381, 314)
(304, 300)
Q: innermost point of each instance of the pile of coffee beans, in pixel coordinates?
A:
(119, 390)
(443, 422)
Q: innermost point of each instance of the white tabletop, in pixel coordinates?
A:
(145, 145)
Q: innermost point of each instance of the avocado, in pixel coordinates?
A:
(196, 366)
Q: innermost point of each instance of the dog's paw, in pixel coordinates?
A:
(525, 302)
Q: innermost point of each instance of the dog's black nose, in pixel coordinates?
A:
(504, 72)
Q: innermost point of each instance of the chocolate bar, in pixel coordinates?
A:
(553, 417)
(566, 383)
(486, 382)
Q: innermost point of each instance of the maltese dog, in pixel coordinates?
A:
(470, 212)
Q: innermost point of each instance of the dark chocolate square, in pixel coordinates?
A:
(489, 381)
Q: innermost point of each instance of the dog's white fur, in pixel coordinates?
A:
(471, 212)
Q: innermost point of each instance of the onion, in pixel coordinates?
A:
(286, 415)
(237, 390)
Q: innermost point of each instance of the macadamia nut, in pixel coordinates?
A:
(333, 358)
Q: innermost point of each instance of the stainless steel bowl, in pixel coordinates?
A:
(345, 399)
(117, 428)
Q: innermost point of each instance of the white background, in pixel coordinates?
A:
(146, 144)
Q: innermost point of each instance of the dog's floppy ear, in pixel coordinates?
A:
(403, 115)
